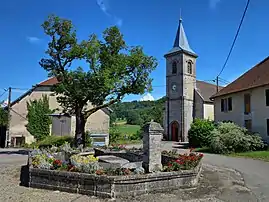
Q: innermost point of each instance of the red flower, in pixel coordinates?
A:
(99, 172)
(201, 155)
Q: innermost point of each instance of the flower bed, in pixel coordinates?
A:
(172, 161)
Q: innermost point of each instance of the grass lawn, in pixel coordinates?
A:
(128, 129)
(203, 150)
(261, 155)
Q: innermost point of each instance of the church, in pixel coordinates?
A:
(187, 98)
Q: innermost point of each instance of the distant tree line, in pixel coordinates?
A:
(139, 112)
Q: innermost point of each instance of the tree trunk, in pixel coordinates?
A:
(80, 129)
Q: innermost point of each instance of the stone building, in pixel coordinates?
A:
(187, 98)
(97, 123)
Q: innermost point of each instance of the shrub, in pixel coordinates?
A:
(229, 138)
(136, 136)
(200, 132)
(88, 139)
(55, 141)
(114, 134)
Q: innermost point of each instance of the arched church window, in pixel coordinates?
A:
(189, 67)
(174, 67)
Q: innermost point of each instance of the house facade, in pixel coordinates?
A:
(187, 98)
(246, 100)
(61, 125)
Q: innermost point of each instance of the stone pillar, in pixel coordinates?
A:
(152, 137)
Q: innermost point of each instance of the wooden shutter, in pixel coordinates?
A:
(247, 103)
(267, 97)
(230, 104)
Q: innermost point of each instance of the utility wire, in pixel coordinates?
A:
(237, 33)
(18, 114)
(3, 93)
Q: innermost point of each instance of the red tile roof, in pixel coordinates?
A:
(206, 90)
(49, 82)
(255, 77)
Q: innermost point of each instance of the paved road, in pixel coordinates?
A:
(255, 172)
(12, 156)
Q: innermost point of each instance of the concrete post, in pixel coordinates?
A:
(152, 137)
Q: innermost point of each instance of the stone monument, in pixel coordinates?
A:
(152, 137)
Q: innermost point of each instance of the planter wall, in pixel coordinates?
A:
(112, 186)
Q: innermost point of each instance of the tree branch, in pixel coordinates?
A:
(95, 109)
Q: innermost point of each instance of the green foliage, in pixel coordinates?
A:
(140, 112)
(50, 141)
(230, 138)
(200, 133)
(3, 117)
(88, 139)
(136, 136)
(133, 118)
(38, 119)
(113, 69)
(114, 134)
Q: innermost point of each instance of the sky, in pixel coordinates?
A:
(210, 26)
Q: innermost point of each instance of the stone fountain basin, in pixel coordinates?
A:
(112, 186)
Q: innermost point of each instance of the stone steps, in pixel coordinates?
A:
(181, 145)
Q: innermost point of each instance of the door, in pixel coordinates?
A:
(2, 136)
(174, 130)
(61, 125)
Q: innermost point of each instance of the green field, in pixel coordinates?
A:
(128, 129)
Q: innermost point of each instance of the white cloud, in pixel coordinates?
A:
(104, 6)
(33, 39)
(147, 97)
(213, 3)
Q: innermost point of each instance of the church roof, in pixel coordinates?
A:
(255, 77)
(181, 42)
(206, 90)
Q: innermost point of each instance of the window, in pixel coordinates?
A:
(248, 124)
(247, 103)
(267, 97)
(226, 104)
(189, 67)
(268, 127)
(222, 105)
(174, 67)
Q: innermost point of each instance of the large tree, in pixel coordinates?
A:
(112, 69)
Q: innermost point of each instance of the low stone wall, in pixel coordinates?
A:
(128, 155)
(112, 186)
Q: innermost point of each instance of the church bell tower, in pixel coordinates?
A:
(180, 85)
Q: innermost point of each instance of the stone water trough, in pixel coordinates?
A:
(121, 186)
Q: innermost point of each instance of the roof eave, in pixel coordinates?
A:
(181, 51)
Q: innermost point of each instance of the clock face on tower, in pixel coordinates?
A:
(174, 87)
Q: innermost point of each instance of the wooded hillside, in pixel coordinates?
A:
(139, 112)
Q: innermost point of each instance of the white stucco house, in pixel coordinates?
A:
(246, 100)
